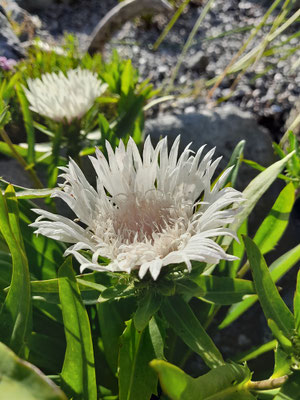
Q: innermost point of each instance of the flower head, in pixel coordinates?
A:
(147, 212)
(7, 64)
(64, 97)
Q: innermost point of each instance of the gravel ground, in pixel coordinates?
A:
(269, 97)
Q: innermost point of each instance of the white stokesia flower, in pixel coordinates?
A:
(146, 213)
(64, 97)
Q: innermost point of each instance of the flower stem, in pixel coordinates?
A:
(267, 384)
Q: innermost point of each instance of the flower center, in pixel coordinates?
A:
(139, 217)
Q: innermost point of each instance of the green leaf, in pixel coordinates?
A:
(88, 285)
(78, 373)
(127, 78)
(254, 191)
(273, 306)
(21, 380)
(44, 254)
(49, 290)
(136, 379)
(222, 290)
(297, 305)
(284, 342)
(283, 362)
(185, 324)
(148, 305)
(5, 269)
(28, 123)
(5, 115)
(13, 214)
(277, 269)
(46, 351)
(34, 193)
(255, 352)
(235, 161)
(274, 225)
(126, 123)
(112, 326)
(291, 388)
(226, 382)
(117, 292)
(15, 314)
(238, 249)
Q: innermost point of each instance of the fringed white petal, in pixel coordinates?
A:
(60, 97)
(147, 212)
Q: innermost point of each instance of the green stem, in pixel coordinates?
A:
(170, 24)
(242, 272)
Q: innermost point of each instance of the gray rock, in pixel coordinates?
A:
(33, 5)
(10, 46)
(222, 127)
(28, 23)
(197, 62)
(12, 172)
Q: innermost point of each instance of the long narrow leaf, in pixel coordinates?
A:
(78, 373)
(15, 315)
(21, 380)
(273, 306)
(279, 267)
(217, 289)
(254, 191)
(185, 324)
(297, 305)
(274, 225)
(28, 123)
(136, 379)
(226, 382)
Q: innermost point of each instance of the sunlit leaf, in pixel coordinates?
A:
(78, 373)
(274, 225)
(297, 305)
(256, 351)
(277, 269)
(226, 382)
(28, 123)
(273, 306)
(21, 380)
(185, 324)
(15, 315)
(254, 191)
(136, 379)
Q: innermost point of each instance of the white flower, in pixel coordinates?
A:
(64, 97)
(146, 213)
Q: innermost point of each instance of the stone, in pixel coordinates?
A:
(197, 62)
(12, 172)
(10, 45)
(34, 5)
(27, 23)
(223, 128)
(119, 15)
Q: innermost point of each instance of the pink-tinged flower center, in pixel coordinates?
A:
(139, 217)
